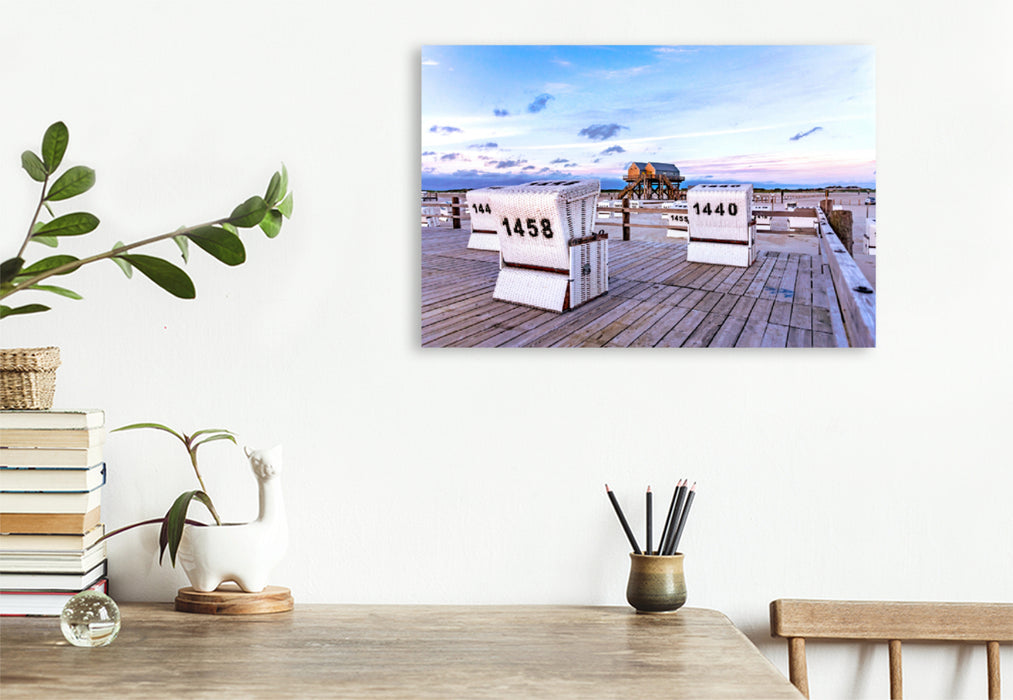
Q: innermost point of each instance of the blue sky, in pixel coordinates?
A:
(789, 115)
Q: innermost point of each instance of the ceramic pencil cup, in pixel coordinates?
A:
(656, 584)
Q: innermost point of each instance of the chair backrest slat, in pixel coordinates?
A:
(844, 619)
(892, 622)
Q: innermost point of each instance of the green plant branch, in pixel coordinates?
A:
(152, 521)
(31, 226)
(193, 460)
(68, 267)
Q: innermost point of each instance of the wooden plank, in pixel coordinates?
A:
(578, 337)
(682, 330)
(799, 338)
(886, 620)
(537, 318)
(572, 322)
(756, 324)
(703, 335)
(639, 326)
(650, 337)
(801, 316)
(728, 333)
(743, 305)
(774, 336)
(780, 313)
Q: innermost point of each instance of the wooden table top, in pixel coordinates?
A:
(389, 651)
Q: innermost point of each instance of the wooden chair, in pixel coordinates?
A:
(799, 620)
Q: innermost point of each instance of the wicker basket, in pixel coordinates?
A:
(28, 377)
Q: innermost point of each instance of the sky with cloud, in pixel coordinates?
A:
(770, 115)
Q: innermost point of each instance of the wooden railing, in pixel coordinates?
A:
(452, 208)
(855, 295)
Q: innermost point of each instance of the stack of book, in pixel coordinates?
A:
(51, 478)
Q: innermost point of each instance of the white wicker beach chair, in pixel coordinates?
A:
(550, 257)
(722, 230)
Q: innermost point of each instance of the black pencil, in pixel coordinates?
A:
(650, 517)
(669, 547)
(668, 520)
(622, 521)
(683, 518)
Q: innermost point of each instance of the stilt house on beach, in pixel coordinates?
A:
(652, 181)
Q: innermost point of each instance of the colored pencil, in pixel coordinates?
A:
(682, 518)
(650, 517)
(622, 520)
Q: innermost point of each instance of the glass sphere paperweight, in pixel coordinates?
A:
(90, 619)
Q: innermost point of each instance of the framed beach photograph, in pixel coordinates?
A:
(648, 196)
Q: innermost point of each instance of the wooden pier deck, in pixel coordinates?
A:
(656, 299)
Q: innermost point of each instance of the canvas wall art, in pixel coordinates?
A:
(648, 196)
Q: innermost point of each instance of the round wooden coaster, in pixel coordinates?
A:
(230, 599)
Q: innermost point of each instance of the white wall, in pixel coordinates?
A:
(476, 477)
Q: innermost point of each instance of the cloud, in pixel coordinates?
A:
(600, 132)
(553, 162)
(540, 102)
(430, 62)
(562, 62)
(501, 113)
(803, 134)
(613, 149)
(484, 146)
(509, 163)
(429, 153)
(450, 156)
(528, 167)
(462, 179)
(443, 129)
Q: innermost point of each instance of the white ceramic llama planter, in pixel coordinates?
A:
(245, 553)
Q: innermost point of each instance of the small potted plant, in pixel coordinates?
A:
(27, 375)
(214, 553)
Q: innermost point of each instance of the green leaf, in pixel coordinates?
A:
(212, 439)
(54, 145)
(249, 213)
(284, 180)
(75, 181)
(274, 191)
(175, 519)
(271, 224)
(230, 228)
(62, 291)
(47, 264)
(164, 274)
(220, 244)
(127, 268)
(9, 269)
(69, 225)
(33, 166)
(211, 430)
(6, 311)
(153, 426)
(286, 206)
(184, 247)
(51, 241)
